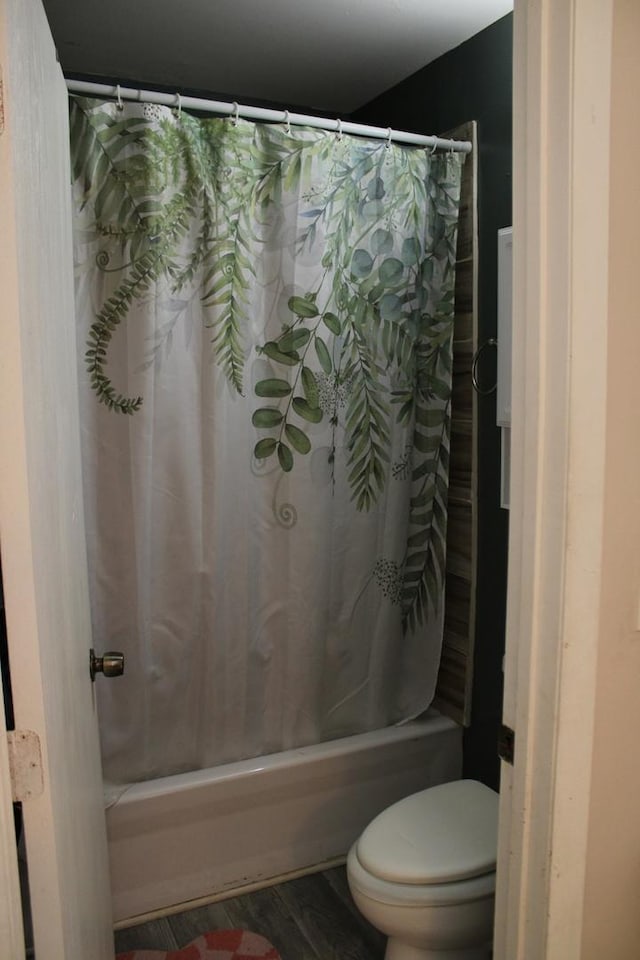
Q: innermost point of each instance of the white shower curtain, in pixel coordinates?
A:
(266, 318)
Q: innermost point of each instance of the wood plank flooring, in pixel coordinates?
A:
(311, 918)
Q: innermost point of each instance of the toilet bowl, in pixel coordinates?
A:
(423, 873)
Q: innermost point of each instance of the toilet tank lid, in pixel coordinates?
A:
(440, 835)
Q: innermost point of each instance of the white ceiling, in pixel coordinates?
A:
(332, 55)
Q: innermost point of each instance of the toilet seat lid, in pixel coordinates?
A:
(440, 835)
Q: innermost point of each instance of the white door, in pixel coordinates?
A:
(41, 515)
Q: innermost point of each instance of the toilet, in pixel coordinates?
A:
(423, 873)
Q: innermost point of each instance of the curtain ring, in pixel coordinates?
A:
(491, 342)
(389, 134)
(119, 104)
(287, 122)
(236, 114)
(339, 130)
(434, 147)
(178, 106)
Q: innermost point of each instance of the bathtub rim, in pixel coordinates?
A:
(176, 783)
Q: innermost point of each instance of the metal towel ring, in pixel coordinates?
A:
(491, 342)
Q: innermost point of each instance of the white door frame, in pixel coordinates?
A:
(562, 90)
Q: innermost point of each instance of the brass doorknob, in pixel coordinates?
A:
(111, 664)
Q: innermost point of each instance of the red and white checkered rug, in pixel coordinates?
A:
(216, 945)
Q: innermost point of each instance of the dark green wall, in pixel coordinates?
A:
(473, 82)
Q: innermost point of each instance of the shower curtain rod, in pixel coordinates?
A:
(261, 113)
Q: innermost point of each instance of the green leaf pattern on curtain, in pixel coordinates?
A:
(190, 202)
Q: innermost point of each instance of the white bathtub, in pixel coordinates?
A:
(212, 833)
